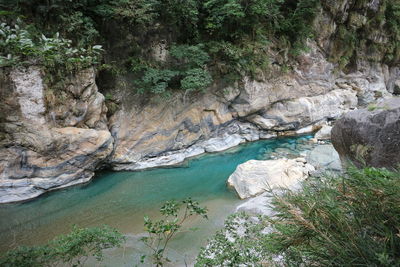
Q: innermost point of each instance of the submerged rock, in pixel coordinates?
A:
(257, 176)
(324, 158)
(370, 136)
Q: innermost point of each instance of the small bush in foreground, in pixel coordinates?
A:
(161, 232)
(353, 220)
(73, 248)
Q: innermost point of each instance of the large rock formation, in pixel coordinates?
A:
(39, 148)
(36, 121)
(284, 104)
(370, 136)
(257, 176)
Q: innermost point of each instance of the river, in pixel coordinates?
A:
(121, 199)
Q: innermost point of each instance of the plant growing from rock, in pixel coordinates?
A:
(161, 232)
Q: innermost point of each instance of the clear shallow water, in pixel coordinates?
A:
(121, 199)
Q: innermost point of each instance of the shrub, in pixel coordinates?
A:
(19, 47)
(73, 248)
(161, 232)
(185, 70)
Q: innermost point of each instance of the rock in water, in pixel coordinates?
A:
(324, 158)
(324, 133)
(257, 176)
(370, 136)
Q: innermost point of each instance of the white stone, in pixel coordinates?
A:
(308, 110)
(257, 205)
(324, 133)
(222, 143)
(257, 176)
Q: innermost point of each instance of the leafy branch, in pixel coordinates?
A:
(161, 232)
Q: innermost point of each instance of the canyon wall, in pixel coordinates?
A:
(51, 139)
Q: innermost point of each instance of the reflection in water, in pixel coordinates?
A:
(121, 199)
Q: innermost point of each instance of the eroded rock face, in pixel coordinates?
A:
(370, 136)
(257, 176)
(294, 103)
(79, 104)
(37, 153)
(298, 113)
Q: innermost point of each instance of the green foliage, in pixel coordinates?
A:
(185, 70)
(134, 12)
(72, 249)
(239, 243)
(214, 38)
(392, 15)
(19, 47)
(191, 56)
(156, 80)
(297, 23)
(196, 79)
(352, 220)
(161, 232)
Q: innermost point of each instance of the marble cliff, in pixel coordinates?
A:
(53, 139)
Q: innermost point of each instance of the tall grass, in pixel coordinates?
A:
(350, 220)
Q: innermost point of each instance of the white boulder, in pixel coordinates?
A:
(257, 176)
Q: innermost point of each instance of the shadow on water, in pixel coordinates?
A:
(121, 199)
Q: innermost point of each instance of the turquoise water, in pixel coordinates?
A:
(121, 199)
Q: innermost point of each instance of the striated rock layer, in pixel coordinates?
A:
(161, 132)
(46, 146)
(50, 138)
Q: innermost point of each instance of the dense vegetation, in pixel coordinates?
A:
(351, 220)
(373, 36)
(231, 37)
(206, 39)
(198, 41)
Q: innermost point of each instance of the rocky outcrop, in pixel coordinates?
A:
(370, 136)
(293, 103)
(39, 150)
(154, 132)
(298, 113)
(256, 176)
(78, 104)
